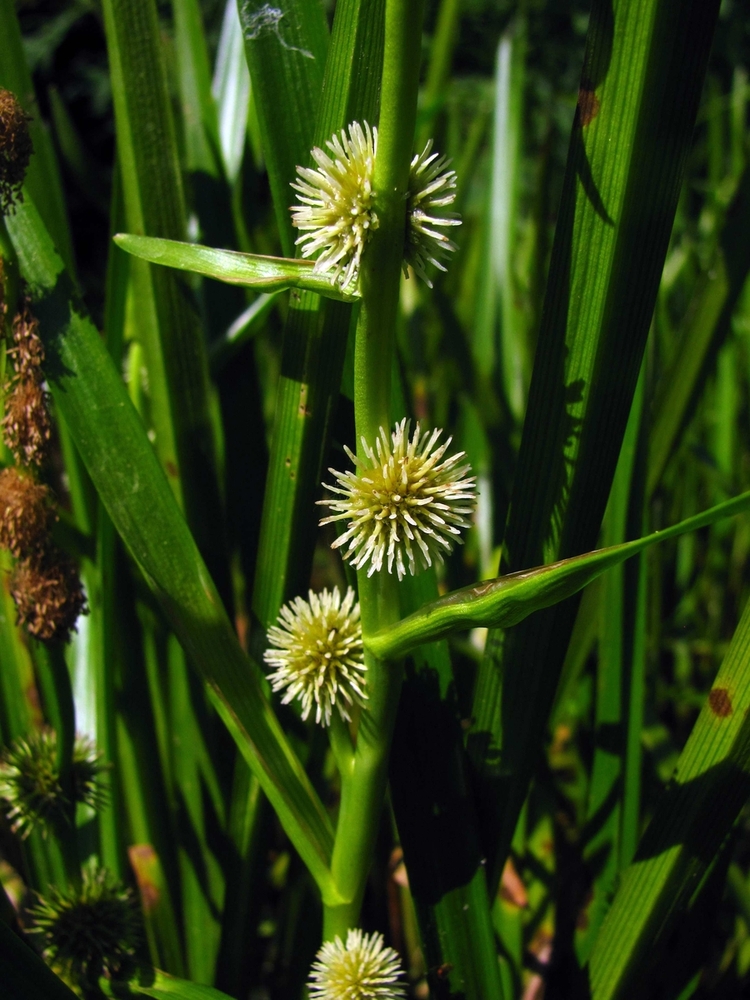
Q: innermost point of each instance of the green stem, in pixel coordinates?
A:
(363, 782)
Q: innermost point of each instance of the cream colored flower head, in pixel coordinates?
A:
(316, 648)
(363, 970)
(405, 504)
(336, 215)
(432, 189)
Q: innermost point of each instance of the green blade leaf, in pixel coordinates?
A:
(231, 90)
(510, 599)
(251, 270)
(285, 46)
(160, 986)
(118, 455)
(642, 77)
(710, 785)
(437, 823)
(168, 321)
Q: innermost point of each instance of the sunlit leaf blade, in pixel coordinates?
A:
(617, 668)
(231, 90)
(119, 457)
(509, 90)
(710, 785)
(642, 76)
(285, 46)
(265, 274)
(169, 323)
(157, 984)
(510, 599)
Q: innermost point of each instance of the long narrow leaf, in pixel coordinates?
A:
(113, 442)
(710, 785)
(642, 76)
(169, 326)
(510, 599)
(250, 270)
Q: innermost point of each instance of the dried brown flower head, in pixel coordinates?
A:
(26, 423)
(16, 148)
(28, 350)
(26, 513)
(48, 595)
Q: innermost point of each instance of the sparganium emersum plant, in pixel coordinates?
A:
(341, 756)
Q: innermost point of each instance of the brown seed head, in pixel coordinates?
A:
(26, 513)
(48, 595)
(16, 148)
(27, 423)
(28, 350)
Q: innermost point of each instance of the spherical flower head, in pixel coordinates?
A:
(91, 930)
(335, 213)
(405, 503)
(432, 189)
(316, 648)
(363, 970)
(30, 780)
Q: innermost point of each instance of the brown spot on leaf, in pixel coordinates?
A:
(719, 702)
(171, 468)
(588, 106)
(144, 861)
(512, 888)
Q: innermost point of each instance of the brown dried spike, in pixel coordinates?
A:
(28, 349)
(26, 423)
(16, 148)
(26, 513)
(48, 595)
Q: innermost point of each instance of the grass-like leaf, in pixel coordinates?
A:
(510, 599)
(118, 455)
(642, 77)
(265, 274)
(710, 785)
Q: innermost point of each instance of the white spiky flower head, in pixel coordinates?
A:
(363, 970)
(316, 648)
(335, 214)
(432, 189)
(404, 502)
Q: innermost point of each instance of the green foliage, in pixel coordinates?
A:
(546, 786)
